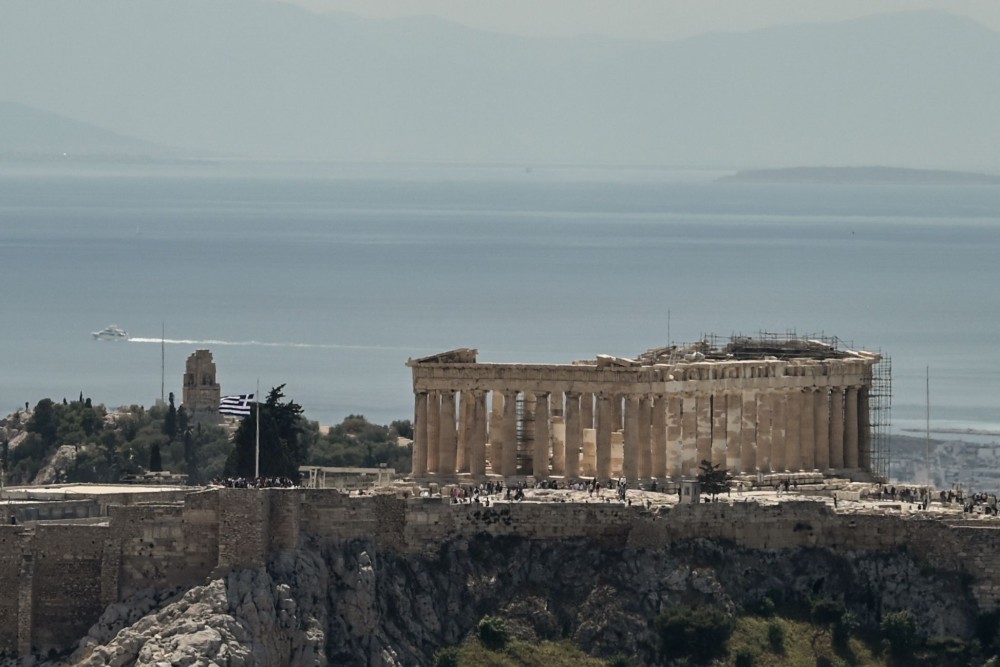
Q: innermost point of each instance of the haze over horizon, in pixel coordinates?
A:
(267, 80)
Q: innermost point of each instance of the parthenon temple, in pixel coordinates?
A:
(754, 405)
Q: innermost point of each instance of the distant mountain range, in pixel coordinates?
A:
(267, 79)
(862, 175)
(27, 132)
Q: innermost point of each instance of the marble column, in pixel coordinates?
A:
(558, 445)
(778, 400)
(658, 437)
(689, 436)
(586, 410)
(508, 456)
(419, 465)
(748, 432)
(464, 429)
(477, 445)
(574, 435)
(540, 455)
(704, 410)
(645, 431)
(449, 437)
(734, 424)
(837, 428)
(822, 398)
(765, 430)
(807, 432)
(675, 445)
(630, 460)
(617, 452)
(851, 427)
(617, 413)
(494, 441)
(526, 442)
(793, 430)
(864, 430)
(605, 417)
(588, 456)
(433, 431)
(719, 433)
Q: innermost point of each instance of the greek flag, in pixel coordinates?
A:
(238, 406)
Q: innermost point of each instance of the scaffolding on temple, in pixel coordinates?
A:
(880, 411)
(525, 433)
(790, 345)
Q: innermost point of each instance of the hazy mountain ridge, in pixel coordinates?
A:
(29, 132)
(862, 175)
(272, 80)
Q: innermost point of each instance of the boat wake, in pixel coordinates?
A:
(258, 343)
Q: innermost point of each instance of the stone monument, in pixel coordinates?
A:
(201, 391)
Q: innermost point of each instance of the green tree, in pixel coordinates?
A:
(402, 427)
(170, 426)
(183, 420)
(283, 447)
(155, 461)
(356, 442)
(446, 657)
(190, 461)
(827, 614)
(714, 479)
(776, 636)
(493, 633)
(44, 422)
(700, 633)
(900, 630)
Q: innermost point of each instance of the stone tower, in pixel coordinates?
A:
(201, 391)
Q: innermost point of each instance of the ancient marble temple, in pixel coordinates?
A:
(752, 406)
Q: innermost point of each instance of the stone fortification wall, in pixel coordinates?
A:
(66, 581)
(13, 547)
(50, 584)
(159, 545)
(253, 524)
(56, 578)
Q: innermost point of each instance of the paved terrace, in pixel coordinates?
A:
(851, 498)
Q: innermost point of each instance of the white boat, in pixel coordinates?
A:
(111, 332)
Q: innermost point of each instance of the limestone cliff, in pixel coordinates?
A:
(347, 603)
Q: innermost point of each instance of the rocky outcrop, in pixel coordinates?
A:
(54, 470)
(343, 603)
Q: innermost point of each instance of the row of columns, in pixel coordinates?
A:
(573, 434)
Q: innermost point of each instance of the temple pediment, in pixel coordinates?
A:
(606, 360)
(462, 355)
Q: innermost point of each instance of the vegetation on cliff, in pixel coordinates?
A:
(80, 441)
(705, 635)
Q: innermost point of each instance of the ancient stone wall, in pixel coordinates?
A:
(65, 582)
(56, 578)
(13, 547)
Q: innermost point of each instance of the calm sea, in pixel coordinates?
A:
(328, 277)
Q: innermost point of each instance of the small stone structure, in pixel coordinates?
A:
(750, 406)
(350, 479)
(690, 492)
(201, 391)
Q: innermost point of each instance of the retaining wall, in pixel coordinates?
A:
(55, 579)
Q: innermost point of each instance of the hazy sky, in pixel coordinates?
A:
(652, 19)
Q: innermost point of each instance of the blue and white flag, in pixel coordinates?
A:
(237, 406)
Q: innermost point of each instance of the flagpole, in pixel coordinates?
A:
(256, 463)
(163, 357)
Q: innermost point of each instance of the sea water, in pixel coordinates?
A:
(327, 278)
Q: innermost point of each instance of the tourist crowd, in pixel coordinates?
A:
(254, 482)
